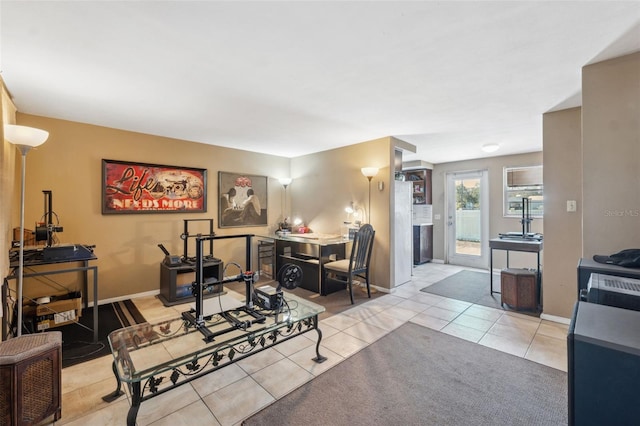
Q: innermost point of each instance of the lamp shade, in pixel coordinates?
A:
(369, 171)
(24, 135)
(285, 181)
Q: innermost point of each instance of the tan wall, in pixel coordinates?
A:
(69, 164)
(326, 182)
(611, 155)
(497, 223)
(562, 147)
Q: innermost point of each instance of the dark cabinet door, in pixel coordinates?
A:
(422, 244)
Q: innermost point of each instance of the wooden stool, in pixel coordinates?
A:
(30, 378)
(519, 289)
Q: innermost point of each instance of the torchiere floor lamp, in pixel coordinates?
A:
(24, 138)
(369, 173)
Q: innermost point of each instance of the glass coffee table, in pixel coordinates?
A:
(154, 358)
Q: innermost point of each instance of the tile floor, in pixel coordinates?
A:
(229, 395)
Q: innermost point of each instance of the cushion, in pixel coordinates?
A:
(338, 266)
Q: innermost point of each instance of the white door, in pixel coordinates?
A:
(403, 231)
(467, 212)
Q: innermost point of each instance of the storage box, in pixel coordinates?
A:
(63, 309)
(519, 288)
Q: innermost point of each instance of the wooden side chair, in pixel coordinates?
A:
(358, 263)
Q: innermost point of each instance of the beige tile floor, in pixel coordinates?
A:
(229, 395)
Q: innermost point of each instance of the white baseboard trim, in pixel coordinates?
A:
(363, 286)
(130, 296)
(554, 318)
(381, 289)
(437, 261)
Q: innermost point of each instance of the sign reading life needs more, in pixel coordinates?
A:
(129, 187)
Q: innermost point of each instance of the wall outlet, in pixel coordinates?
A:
(436, 216)
(571, 206)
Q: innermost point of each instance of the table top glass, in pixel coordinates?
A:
(311, 238)
(144, 350)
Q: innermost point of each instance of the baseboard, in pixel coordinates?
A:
(554, 318)
(380, 289)
(130, 296)
(437, 261)
(362, 285)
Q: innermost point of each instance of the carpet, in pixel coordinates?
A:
(77, 339)
(469, 286)
(418, 376)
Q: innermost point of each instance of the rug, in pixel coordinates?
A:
(418, 376)
(77, 339)
(469, 286)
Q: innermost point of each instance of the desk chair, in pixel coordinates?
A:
(358, 263)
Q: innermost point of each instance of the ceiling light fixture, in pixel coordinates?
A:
(490, 147)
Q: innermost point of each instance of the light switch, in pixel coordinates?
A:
(436, 216)
(571, 205)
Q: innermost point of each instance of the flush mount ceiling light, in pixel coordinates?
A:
(490, 147)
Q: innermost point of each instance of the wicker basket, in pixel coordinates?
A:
(30, 378)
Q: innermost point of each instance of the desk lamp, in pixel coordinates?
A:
(24, 138)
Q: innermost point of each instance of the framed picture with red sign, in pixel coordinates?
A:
(129, 187)
(243, 200)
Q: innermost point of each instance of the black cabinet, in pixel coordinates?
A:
(267, 259)
(175, 281)
(310, 256)
(422, 244)
(586, 267)
(603, 371)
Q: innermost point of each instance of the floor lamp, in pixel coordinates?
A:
(24, 138)
(285, 182)
(369, 173)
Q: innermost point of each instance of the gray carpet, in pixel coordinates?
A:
(470, 286)
(417, 376)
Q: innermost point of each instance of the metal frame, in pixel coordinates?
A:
(85, 297)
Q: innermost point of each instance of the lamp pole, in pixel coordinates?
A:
(369, 177)
(369, 173)
(285, 182)
(23, 149)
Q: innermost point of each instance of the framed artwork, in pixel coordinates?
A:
(129, 187)
(243, 200)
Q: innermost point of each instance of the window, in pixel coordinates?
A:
(519, 183)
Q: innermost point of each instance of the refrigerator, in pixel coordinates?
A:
(403, 214)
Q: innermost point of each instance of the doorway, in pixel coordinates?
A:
(467, 212)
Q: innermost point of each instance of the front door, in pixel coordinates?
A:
(467, 219)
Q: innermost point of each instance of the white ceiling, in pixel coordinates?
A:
(293, 78)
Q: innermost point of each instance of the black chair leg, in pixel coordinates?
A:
(368, 286)
(350, 285)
